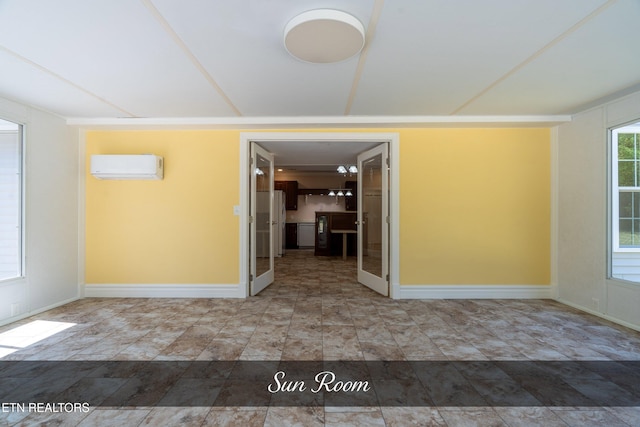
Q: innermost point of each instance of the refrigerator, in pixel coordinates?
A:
(279, 221)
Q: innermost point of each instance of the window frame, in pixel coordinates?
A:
(615, 189)
(21, 268)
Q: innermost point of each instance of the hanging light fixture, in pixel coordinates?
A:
(340, 192)
(350, 169)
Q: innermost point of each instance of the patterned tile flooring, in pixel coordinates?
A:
(316, 311)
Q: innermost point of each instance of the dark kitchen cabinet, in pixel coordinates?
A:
(291, 235)
(351, 202)
(290, 189)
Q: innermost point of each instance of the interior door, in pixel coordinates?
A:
(261, 271)
(373, 219)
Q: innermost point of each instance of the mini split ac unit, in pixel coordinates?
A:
(126, 166)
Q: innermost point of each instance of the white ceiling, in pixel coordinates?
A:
(316, 156)
(223, 61)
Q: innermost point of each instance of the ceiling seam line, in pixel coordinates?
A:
(194, 60)
(371, 28)
(65, 80)
(537, 54)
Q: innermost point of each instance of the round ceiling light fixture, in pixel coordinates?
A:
(324, 36)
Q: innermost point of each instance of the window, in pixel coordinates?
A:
(625, 203)
(10, 200)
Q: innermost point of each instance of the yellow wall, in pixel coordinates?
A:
(178, 230)
(475, 208)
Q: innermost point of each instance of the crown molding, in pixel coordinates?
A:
(317, 122)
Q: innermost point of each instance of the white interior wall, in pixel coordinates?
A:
(51, 215)
(582, 214)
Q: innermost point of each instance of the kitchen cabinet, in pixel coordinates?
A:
(290, 189)
(351, 202)
(291, 235)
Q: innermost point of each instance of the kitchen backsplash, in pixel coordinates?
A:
(309, 205)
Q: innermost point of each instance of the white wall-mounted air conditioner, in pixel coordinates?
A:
(127, 166)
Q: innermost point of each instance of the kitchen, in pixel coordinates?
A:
(320, 199)
(320, 210)
(335, 203)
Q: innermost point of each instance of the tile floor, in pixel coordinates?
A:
(316, 311)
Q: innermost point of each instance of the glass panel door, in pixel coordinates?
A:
(373, 212)
(261, 261)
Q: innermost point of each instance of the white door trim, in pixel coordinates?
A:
(392, 138)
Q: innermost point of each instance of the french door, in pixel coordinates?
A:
(261, 270)
(373, 219)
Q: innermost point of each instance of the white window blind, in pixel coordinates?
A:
(10, 200)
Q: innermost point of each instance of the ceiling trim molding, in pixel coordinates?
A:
(64, 80)
(536, 54)
(318, 122)
(371, 29)
(192, 57)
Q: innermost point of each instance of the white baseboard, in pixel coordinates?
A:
(601, 315)
(475, 292)
(162, 291)
(37, 311)
(236, 291)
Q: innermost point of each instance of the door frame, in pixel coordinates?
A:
(392, 138)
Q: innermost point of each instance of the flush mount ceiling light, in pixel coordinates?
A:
(324, 36)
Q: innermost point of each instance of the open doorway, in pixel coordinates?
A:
(310, 160)
(317, 240)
